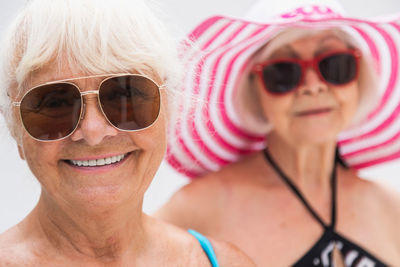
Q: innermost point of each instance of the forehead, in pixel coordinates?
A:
(316, 42)
(58, 72)
(302, 44)
(51, 72)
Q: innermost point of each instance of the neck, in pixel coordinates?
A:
(309, 166)
(104, 236)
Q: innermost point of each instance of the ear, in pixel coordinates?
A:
(21, 152)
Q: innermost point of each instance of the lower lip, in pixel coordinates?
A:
(99, 169)
(314, 113)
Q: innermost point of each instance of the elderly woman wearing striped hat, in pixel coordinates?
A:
(292, 105)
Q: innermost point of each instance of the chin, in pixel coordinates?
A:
(316, 131)
(101, 198)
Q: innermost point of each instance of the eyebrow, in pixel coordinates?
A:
(322, 49)
(286, 49)
(290, 52)
(331, 36)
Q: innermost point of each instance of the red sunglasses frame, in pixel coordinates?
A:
(304, 65)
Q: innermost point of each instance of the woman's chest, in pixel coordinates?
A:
(278, 230)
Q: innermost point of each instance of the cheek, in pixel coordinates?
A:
(153, 143)
(276, 108)
(42, 158)
(154, 138)
(348, 99)
(16, 128)
(35, 151)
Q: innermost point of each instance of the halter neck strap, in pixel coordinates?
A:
(295, 190)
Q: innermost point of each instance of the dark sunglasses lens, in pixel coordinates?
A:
(51, 112)
(339, 68)
(281, 77)
(130, 102)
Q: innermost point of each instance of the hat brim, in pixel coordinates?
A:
(209, 133)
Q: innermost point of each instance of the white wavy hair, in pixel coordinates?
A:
(248, 101)
(89, 36)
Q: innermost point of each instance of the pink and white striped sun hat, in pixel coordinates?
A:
(211, 132)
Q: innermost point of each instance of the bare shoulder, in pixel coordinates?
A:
(386, 197)
(190, 250)
(389, 198)
(13, 248)
(194, 204)
(200, 204)
(385, 203)
(230, 256)
(379, 201)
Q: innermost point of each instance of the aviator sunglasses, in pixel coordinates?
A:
(284, 75)
(53, 110)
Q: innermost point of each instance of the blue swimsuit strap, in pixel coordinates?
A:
(207, 247)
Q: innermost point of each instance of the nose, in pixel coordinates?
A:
(312, 83)
(93, 127)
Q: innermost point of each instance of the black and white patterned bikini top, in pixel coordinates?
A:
(321, 253)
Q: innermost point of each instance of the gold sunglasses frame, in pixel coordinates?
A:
(89, 92)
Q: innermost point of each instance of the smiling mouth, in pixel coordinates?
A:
(313, 112)
(98, 162)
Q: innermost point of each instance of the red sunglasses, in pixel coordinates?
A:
(284, 75)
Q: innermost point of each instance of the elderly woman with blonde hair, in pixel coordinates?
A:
(296, 98)
(85, 88)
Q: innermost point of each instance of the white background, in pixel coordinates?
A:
(19, 190)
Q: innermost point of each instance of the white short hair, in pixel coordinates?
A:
(89, 36)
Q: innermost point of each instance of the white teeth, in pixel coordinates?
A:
(98, 162)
